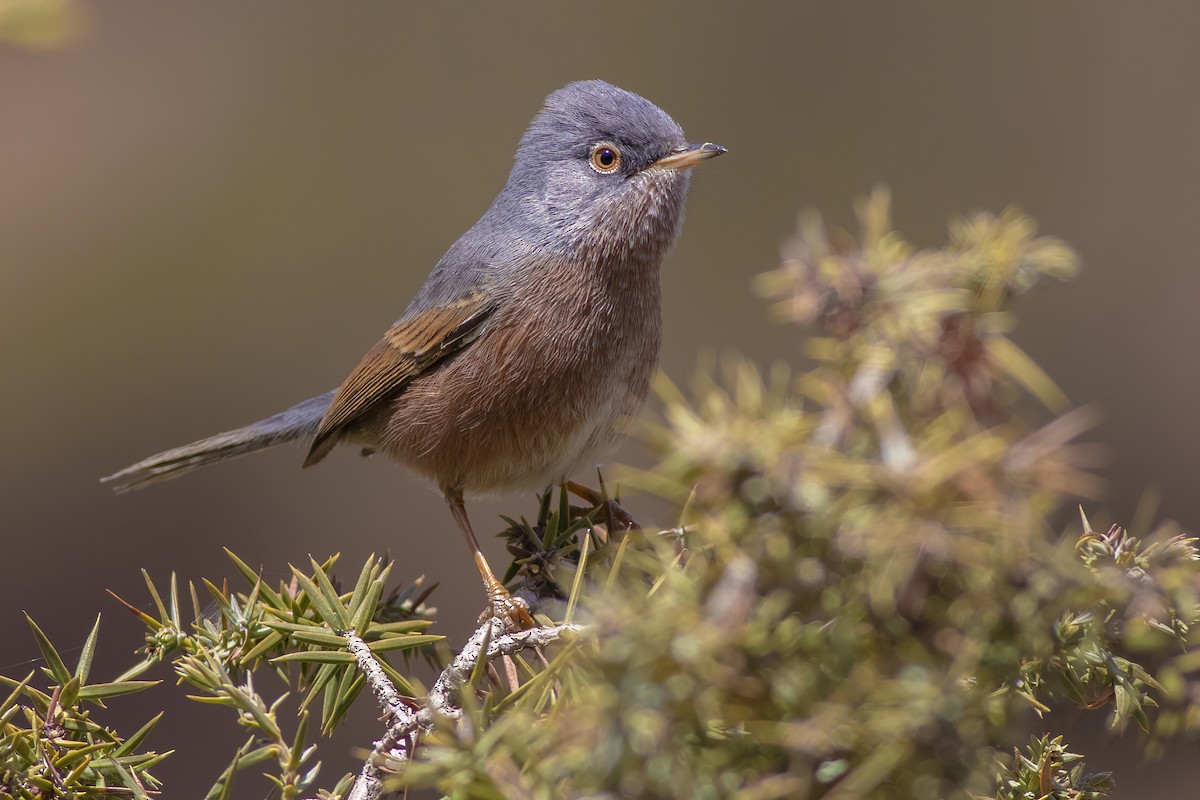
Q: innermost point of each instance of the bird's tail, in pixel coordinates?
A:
(299, 422)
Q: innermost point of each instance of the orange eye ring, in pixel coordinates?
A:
(606, 158)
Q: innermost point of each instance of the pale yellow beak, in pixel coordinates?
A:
(689, 156)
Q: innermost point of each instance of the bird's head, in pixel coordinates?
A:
(603, 173)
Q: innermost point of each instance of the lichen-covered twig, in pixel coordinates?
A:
(406, 723)
(389, 699)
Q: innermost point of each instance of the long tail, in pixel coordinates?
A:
(298, 422)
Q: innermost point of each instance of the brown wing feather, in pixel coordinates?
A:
(405, 351)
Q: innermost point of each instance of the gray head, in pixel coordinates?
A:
(603, 173)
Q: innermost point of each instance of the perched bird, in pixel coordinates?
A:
(536, 332)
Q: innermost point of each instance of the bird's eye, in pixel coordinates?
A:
(606, 159)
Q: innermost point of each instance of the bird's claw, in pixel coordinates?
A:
(512, 612)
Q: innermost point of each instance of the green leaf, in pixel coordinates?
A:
(348, 689)
(130, 781)
(615, 568)
(163, 616)
(307, 779)
(98, 691)
(577, 585)
(69, 693)
(298, 742)
(343, 786)
(197, 611)
(297, 627)
(324, 674)
(1025, 371)
(224, 785)
(55, 667)
(341, 620)
(219, 598)
(407, 642)
(546, 677)
(368, 601)
(268, 642)
(10, 702)
(66, 760)
(317, 657)
(88, 652)
(273, 598)
(137, 669)
(329, 701)
(365, 575)
(399, 681)
(404, 626)
(215, 700)
(40, 699)
(560, 520)
(149, 621)
(135, 741)
(319, 601)
(480, 667)
(176, 617)
(321, 638)
(312, 634)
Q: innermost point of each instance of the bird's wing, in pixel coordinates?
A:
(410, 347)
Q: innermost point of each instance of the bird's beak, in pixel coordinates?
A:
(689, 155)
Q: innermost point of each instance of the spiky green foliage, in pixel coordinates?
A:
(295, 631)
(50, 745)
(1044, 769)
(864, 595)
(868, 600)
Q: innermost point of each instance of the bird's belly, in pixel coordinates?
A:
(524, 410)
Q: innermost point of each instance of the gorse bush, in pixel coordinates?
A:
(864, 595)
(865, 598)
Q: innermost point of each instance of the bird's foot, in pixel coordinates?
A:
(512, 612)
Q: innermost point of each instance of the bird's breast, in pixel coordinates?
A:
(572, 351)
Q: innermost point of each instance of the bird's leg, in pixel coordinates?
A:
(511, 611)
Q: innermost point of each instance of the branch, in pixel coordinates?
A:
(389, 699)
(397, 745)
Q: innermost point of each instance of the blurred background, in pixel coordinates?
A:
(209, 211)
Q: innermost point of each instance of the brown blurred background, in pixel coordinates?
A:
(209, 211)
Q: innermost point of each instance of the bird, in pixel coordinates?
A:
(531, 339)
